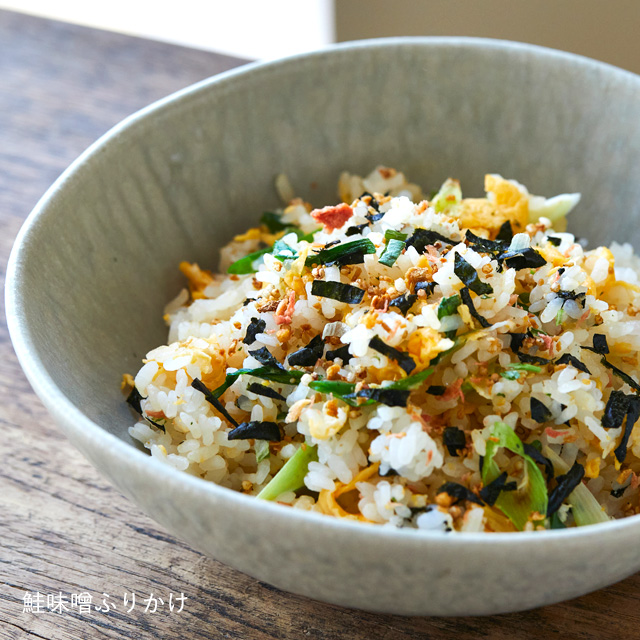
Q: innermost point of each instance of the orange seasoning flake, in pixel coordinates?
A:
(332, 217)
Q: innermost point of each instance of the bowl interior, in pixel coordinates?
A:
(99, 261)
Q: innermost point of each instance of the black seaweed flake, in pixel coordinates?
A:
(255, 327)
(567, 358)
(404, 302)
(491, 492)
(265, 357)
(458, 492)
(524, 259)
(572, 295)
(556, 242)
(342, 353)
(539, 411)
(337, 291)
(633, 413)
(427, 287)
(356, 229)
(516, 341)
(600, 345)
(532, 452)
(386, 395)
(454, 439)
(618, 493)
(529, 359)
(404, 360)
(198, 385)
(421, 239)
(309, 355)
(621, 374)
(374, 217)
(616, 410)
(333, 243)
(470, 277)
(436, 390)
(390, 472)
(566, 484)
(263, 390)
(489, 246)
(257, 430)
(506, 232)
(466, 300)
(134, 399)
(373, 203)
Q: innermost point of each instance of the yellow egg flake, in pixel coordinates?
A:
(127, 383)
(592, 468)
(253, 234)
(328, 500)
(328, 422)
(425, 344)
(199, 279)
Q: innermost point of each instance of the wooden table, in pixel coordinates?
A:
(65, 530)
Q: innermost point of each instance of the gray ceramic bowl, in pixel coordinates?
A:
(96, 261)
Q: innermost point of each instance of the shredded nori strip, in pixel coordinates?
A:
(491, 492)
(523, 259)
(356, 229)
(486, 245)
(454, 439)
(421, 239)
(309, 355)
(469, 276)
(342, 254)
(391, 472)
(616, 410)
(516, 341)
(341, 352)
(373, 203)
(211, 399)
(466, 300)
(436, 390)
(506, 232)
(264, 356)
(374, 217)
(633, 413)
(134, 399)
(566, 484)
(539, 411)
(567, 358)
(621, 374)
(257, 430)
(337, 291)
(556, 242)
(459, 492)
(404, 360)
(600, 345)
(532, 452)
(428, 287)
(618, 493)
(385, 395)
(263, 390)
(255, 327)
(529, 359)
(404, 302)
(333, 243)
(572, 295)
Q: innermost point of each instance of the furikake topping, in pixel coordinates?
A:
(263, 390)
(567, 358)
(633, 413)
(385, 395)
(556, 242)
(535, 454)
(404, 360)
(491, 492)
(257, 430)
(198, 385)
(356, 229)
(255, 327)
(469, 276)
(436, 390)
(422, 238)
(616, 410)
(265, 357)
(404, 302)
(427, 287)
(454, 439)
(468, 302)
(506, 232)
(341, 352)
(309, 355)
(459, 492)
(566, 484)
(342, 254)
(482, 244)
(600, 345)
(337, 291)
(539, 411)
(523, 259)
(529, 359)
(133, 400)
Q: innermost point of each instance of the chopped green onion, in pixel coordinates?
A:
(448, 196)
(291, 476)
(390, 234)
(510, 375)
(246, 265)
(520, 504)
(391, 252)
(274, 374)
(448, 306)
(262, 450)
(524, 366)
(273, 222)
(344, 253)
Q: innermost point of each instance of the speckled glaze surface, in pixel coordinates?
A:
(97, 260)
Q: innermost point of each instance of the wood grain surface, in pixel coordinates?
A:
(65, 530)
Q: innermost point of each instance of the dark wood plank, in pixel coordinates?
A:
(65, 529)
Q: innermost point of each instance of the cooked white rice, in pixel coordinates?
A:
(518, 364)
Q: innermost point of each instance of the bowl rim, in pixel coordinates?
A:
(80, 427)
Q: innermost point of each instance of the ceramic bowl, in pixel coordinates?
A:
(97, 260)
